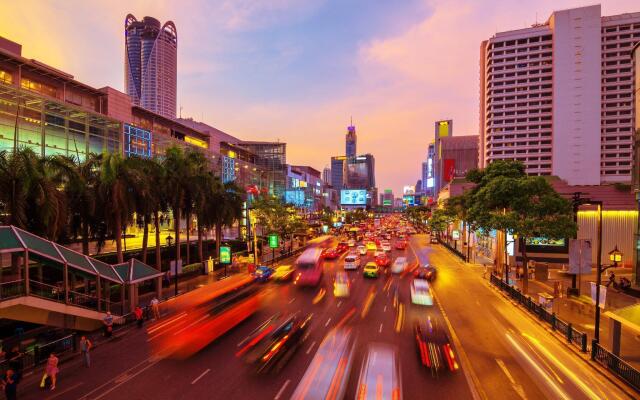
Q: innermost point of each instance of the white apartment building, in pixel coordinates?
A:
(558, 96)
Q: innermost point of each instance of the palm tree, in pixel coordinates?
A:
(195, 190)
(177, 173)
(226, 207)
(118, 177)
(80, 180)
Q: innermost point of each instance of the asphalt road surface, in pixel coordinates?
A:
(504, 354)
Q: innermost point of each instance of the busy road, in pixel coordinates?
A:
(498, 351)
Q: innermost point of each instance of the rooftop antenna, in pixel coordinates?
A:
(181, 112)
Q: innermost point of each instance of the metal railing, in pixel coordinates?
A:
(38, 354)
(12, 289)
(573, 336)
(615, 364)
(46, 291)
(83, 300)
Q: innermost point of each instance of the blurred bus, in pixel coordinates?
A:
(309, 267)
(199, 317)
(327, 375)
(323, 242)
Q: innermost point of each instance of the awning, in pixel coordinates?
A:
(628, 316)
(13, 239)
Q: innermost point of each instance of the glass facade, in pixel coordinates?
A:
(137, 142)
(50, 127)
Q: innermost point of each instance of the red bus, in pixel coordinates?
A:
(201, 316)
(309, 267)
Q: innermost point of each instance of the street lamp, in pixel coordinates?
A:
(615, 256)
(169, 239)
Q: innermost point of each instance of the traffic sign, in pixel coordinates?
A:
(273, 241)
(225, 255)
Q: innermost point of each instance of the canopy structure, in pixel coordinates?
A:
(13, 239)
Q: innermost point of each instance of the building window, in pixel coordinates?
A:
(137, 141)
(38, 87)
(6, 77)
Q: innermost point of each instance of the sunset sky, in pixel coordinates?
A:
(296, 70)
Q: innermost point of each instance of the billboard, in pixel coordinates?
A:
(357, 173)
(443, 128)
(353, 197)
(295, 197)
(448, 169)
(386, 202)
(408, 199)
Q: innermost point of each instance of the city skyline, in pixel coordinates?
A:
(263, 73)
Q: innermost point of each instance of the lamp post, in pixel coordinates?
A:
(598, 271)
(615, 256)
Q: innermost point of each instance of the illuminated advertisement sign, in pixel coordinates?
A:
(430, 182)
(541, 241)
(228, 169)
(449, 169)
(387, 202)
(409, 189)
(443, 128)
(295, 197)
(408, 200)
(353, 197)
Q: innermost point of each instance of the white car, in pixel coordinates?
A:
(352, 261)
(386, 246)
(362, 250)
(378, 252)
(421, 292)
(399, 265)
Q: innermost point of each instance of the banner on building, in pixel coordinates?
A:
(449, 169)
(580, 256)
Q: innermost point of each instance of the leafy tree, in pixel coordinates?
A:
(223, 207)
(505, 198)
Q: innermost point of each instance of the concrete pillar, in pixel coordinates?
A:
(98, 292)
(615, 333)
(26, 272)
(66, 283)
(107, 294)
(132, 296)
(158, 284)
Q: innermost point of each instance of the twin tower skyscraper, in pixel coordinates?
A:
(150, 63)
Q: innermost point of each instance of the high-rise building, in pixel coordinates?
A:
(458, 155)
(272, 158)
(326, 176)
(360, 172)
(338, 172)
(557, 96)
(151, 57)
(443, 129)
(351, 141)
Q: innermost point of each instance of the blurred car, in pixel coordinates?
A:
(362, 250)
(386, 246)
(380, 374)
(372, 246)
(352, 261)
(427, 272)
(342, 247)
(330, 253)
(377, 241)
(387, 236)
(341, 284)
(401, 244)
(399, 265)
(370, 270)
(283, 273)
(383, 260)
(433, 240)
(263, 273)
(421, 292)
(276, 349)
(434, 347)
(351, 243)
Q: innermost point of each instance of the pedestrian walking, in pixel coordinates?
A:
(138, 314)
(155, 308)
(484, 272)
(85, 347)
(10, 384)
(108, 324)
(50, 371)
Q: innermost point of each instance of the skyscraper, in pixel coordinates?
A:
(351, 141)
(151, 57)
(557, 96)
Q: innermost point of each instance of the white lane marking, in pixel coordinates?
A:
(328, 321)
(201, 375)
(292, 300)
(385, 309)
(517, 388)
(282, 389)
(67, 390)
(339, 304)
(552, 384)
(114, 387)
(311, 347)
(152, 359)
(380, 330)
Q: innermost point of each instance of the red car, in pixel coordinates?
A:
(401, 244)
(342, 247)
(330, 254)
(383, 260)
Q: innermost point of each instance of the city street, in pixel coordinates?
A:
(503, 353)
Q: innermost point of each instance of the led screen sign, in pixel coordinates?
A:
(350, 197)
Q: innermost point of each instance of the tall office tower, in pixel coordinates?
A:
(443, 129)
(557, 96)
(351, 141)
(338, 172)
(326, 176)
(150, 63)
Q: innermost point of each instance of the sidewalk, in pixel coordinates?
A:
(580, 312)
